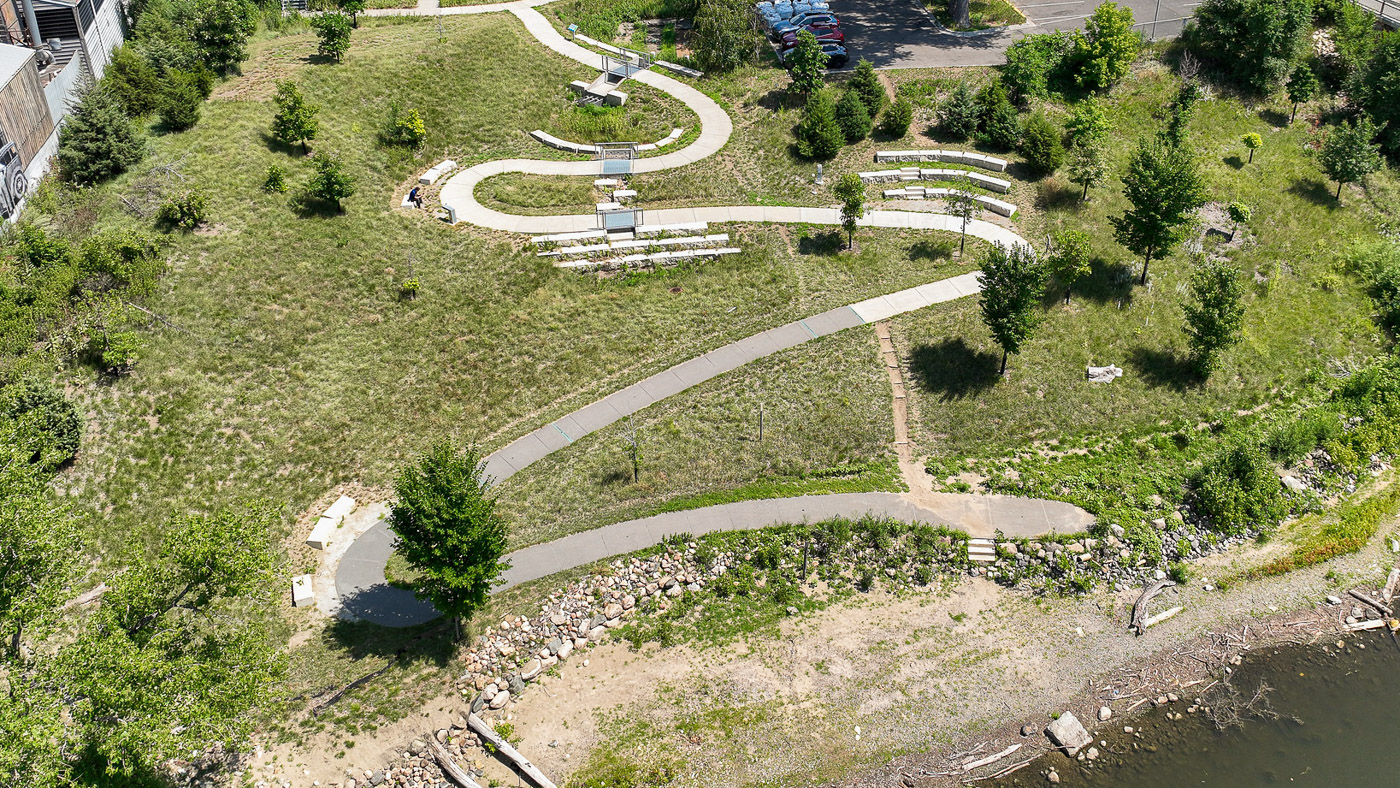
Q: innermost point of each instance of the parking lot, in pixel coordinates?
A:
(902, 34)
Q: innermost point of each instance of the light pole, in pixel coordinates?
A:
(1155, 12)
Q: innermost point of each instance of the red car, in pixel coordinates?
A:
(826, 34)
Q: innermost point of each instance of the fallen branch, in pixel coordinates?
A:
(977, 764)
(1391, 584)
(1140, 606)
(1362, 626)
(1162, 616)
(154, 315)
(488, 734)
(449, 767)
(1383, 609)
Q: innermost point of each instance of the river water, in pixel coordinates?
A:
(1338, 724)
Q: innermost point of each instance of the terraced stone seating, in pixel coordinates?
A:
(641, 231)
(916, 174)
(440, 169)
(920, 193)
(584, 250)
(979, 160)
(661, 143)
(649, 259)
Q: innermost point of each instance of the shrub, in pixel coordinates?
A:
(957, 115)
(1378, 91)
(119, 352)
(897, 118)
(818, 134)
(179, 104)
(1384, 274)
(1000, 127)
(330, 182)
(1104, 52)
(1255, 41)
(133, 81)
(1035, 62)
(1239, 491)
(51, 422)
(852, 117)
(333, 30)
(1040, 142)
(186, 210)
(276, 181)
(403, 127)
(1294, 439)
(1215, 314)
(724, 35)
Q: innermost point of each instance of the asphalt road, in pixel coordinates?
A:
(901, 34)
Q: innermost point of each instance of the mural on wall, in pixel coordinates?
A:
(12, 181)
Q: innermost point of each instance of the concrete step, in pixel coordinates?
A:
(981, 551)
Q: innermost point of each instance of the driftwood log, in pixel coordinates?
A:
(1381, 608)
(1139, 622)
(970, 765)
(1392, 583)
(488, 734)
(449, 767)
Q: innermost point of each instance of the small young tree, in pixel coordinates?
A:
(354, 8)
(724, 36)
(808, 69)
(403, 127)
(449, 529)
(1106, 49)
(1254, 142)
(850, 190)
(330, 182)
(1239, 214)
(957, 114)
(187, 210)
(1164, 188)
(963, 204)
(1012, 281)
(1302, 87)
(1347, 154)
(1070, 260)
(333, 30)
(180, 103)
(1040, 142)
(1215, 314)
(97, 141)
(895, 123)
(275, 182)
(818, 134)
(295, 119)
(1000, 126)
(1183, 107)
(866, 84)
(852, 117)
(1088, 163)
(1088, 121)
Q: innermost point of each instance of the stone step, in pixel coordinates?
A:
(981, 551)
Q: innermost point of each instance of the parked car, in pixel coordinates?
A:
(12, 181)
(803, 20)
(826, 34)
(836, 56)
(773, 13)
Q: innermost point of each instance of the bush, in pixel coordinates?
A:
(119, 352)
(1000, 126)
(852, 117)
(133, 81)
(1296, 438)
(897, 118)
(97, 141)
(186, 210)
(724, 35)
(819, 136)
(1040, 142)
(1384, 276)
(403, 127)
(330, 183)
(1104, 52)
(1378, 92)
(1035, 62)
(51, 422)
(1239, 491)
(276, 181)
(179, 105)
(1254, 41)
(866, 84)
(333, 30)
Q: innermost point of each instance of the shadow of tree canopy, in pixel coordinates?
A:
(953, 370)
(1106, 283)
(1163, 368)
(825, 244)
(1314, 191)
(932, 249)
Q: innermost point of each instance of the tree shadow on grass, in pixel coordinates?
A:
(278, 146)
(615, 476)
(1053, 194)
(953, 370)
(941, 249)
(1314, 191)
(1163, 368)
(1274, 118)
(308, 207)
(1234, 161)
(1106, 283)
(825, 244)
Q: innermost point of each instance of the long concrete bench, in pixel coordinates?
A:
(981, 161)
(591, 249)
(646, 230)
(440, 169)
(658, 257)
(661, 143)
(330, 520)
(564, 145)
(917, 174)
(582, 235)
(679, 69)
(919, 193)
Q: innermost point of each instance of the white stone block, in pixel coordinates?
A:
(302, 594)
(615, 99)
(341, 509)
(322, 532)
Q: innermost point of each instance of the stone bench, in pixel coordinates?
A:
(978, 160)
(657, 257)
(440, 169)
(915, 174)
(663, 142)
(920, 193)
(564, 145)
(623, 195)
(302, 594)
(679, 69)
(590, 249)
(329, 521)
(646, 230)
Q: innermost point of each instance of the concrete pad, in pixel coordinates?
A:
(789, 335)
(907, 300)
(833, 320)
(728, 357)
(629, 400)
(664, 384)
(873, 309)
(525, 450)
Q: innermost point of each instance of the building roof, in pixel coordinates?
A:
(12, 59)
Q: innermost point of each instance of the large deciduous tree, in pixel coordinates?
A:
(1256, 41)
(1105, 50)
(724, 35)
(449, 529)
(1012, 280)
(1378, 91)
(221, 29)
(1164, 189)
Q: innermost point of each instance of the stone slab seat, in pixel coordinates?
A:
(302, 593)
(679, 69)
(329, 521)
(950, 156)
(438, 170)
(588, 249)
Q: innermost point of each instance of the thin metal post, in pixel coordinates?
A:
(1153, 35)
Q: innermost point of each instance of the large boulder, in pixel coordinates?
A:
(1068, 734)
